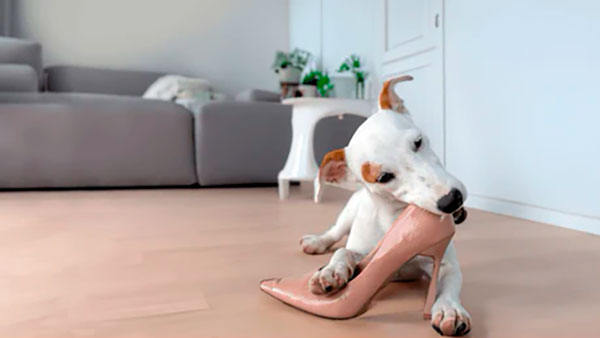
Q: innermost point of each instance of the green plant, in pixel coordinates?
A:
(297, 58)
(324, 85)
(312, 77)
(320, 79)
(353, 64)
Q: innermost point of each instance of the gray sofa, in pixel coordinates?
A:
(66, 126)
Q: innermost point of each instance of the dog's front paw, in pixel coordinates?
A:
(314, 244)
(449, 318)
(330, 278)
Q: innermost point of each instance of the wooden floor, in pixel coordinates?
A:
(187, 262)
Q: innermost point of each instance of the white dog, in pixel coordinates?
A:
(391, 161)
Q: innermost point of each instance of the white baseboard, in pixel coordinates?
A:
(534, 213)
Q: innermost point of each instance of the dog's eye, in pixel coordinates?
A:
(418, 142)
(385, 177)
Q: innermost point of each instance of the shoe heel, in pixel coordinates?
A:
(436, 252)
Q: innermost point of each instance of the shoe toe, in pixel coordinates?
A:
(267, 285)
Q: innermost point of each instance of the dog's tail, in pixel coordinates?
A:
(388, 99)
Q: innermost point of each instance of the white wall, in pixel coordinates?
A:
(523, 107)
(305, 26)
(347, 29)
(333, 29)
(230, 42)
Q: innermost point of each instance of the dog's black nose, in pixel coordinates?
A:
(451, 201)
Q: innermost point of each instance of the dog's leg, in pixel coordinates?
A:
(448, 316)
(336, 274)
(318, 244)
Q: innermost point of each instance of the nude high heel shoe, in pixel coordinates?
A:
(415, 232)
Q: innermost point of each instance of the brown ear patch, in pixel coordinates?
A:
(333, 167)
(384, 97)
(370, 171)
(388, 99)
(334, 155)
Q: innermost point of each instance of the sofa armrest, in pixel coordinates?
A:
(98, 80)
(23, 52)
(18, 78)
(258, 95)
(241, 143)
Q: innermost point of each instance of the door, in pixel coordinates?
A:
(412, 43)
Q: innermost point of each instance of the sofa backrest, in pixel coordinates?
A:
(21, 52)
(98, 80)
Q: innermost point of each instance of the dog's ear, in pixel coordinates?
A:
(388, 99)
(334, 171)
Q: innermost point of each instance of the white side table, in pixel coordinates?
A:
(306, 112)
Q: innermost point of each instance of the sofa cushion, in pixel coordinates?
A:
(18, 78)
(17, 51)
(241, 143)
(50, 140)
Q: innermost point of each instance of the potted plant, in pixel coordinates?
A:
(324, 85)
(308, 88)
(353, 64)
(314, 81)
(289, 66)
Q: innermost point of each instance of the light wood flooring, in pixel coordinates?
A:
(187, 262)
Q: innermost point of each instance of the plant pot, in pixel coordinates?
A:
(289, 74)
(359, 92)
(308, 90)
(344, 85)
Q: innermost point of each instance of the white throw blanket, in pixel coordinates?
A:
(173, 87)
(191, 93)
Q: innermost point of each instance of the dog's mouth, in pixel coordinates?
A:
(459, 215)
